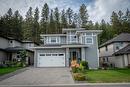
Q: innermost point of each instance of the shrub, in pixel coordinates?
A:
(105, 66)
(84, 65)
(3, 65)
(79, 77)
(76, 70)
(18, 64)
(128, 66)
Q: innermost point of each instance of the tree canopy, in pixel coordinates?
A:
(46, 21)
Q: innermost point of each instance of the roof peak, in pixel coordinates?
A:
(123, 37)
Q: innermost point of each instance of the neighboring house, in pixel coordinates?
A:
(10, 48)
(58, 50)
(116, 52)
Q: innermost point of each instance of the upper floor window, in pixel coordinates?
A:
(106, 48)
(73, 37)
(119, 45)
(53, 40)
(89, 40)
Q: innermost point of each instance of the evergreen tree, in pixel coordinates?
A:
(57, 20)
(36, 31)
(75, 20)
(28, 25)
(44, 18)
(69, 14)
(116, 24)
(64, 19)
(9, 17)
(83, 15)
(17, 28)
(126, 22)
(52, 23)
(97, 26)
(9, 13)
(90, 25)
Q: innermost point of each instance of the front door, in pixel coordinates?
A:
(75, 54)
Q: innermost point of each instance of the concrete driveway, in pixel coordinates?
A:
(39, 76)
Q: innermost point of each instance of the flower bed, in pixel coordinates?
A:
(78, 69)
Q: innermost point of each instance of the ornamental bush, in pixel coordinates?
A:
(79, 77)
(84, 65)
(76, 70)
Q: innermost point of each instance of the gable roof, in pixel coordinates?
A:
(10, 38)
(16, 49)
(124, 50)
(1, 49)
(123, 37)
(52, 35)
(27, 41)
(71, 29)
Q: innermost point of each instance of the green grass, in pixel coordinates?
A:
(8, 70)
(108, 76)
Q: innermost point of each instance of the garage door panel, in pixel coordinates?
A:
(51, 60)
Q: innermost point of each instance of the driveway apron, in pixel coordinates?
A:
(38, 76)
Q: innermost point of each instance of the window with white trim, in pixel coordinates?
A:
(53, 40)
(71, 37)
(89, 40)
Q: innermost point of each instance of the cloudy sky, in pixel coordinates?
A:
(97, 9)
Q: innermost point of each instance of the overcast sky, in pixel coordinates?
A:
(97, 9)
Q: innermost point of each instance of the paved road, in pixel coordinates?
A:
(38, 76)
(73, 85)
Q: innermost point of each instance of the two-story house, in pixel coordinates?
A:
(10, 48)
(116, 52)
(58, 50)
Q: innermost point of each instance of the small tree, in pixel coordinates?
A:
(23, 55)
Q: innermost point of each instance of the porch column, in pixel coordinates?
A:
(125, 60)
(35, 58)
(83, 54)
(67, 57)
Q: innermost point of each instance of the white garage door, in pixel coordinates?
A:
(51, 60)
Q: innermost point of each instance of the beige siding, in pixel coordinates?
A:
(119, 61)
(111, 49)
(111, 60)
(109, 52)
(128, 58)
(120, 47)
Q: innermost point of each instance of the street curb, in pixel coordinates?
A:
(12, 73)
(60, 85)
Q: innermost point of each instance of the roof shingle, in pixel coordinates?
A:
(123, 37)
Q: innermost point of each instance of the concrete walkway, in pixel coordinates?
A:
(39, 76)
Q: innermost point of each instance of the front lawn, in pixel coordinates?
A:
(107, 76)
(8, 70)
